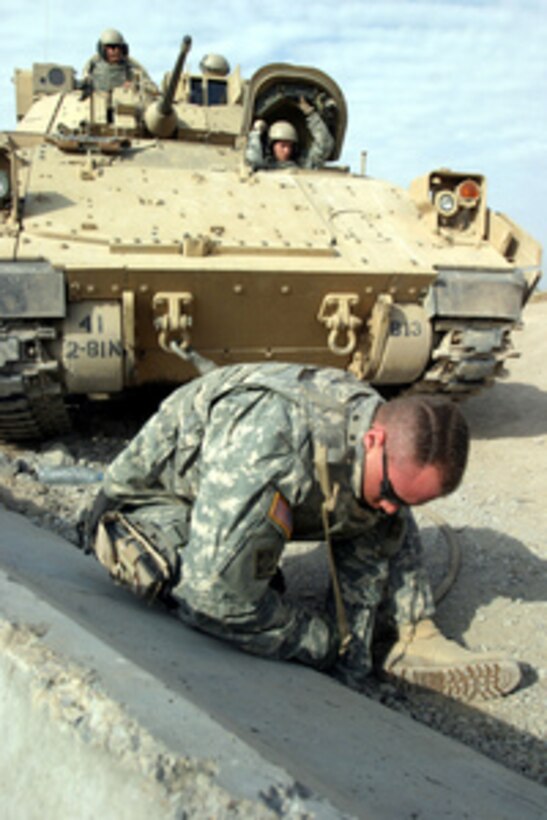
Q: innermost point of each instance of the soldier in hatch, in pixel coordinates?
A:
(200, 505)
(282, 143)
(112, 66)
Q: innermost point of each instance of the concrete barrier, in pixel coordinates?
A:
(70, 750)
(111, 709)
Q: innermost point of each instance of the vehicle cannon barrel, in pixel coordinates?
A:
(160, 117)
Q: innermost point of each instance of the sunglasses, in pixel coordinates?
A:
(387, 493)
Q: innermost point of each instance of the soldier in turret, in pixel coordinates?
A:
(112, 66)
(282, 149)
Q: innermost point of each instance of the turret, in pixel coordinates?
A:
(160, 117)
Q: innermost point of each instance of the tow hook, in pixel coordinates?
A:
(335, 313)
(173, 317)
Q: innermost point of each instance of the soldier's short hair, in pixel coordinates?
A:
(435, 432)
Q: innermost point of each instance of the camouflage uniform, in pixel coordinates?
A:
(106, 76)
(319, 151)
(225, 473)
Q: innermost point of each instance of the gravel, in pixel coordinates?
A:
(498, 600)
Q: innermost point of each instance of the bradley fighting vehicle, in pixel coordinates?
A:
(134, 239)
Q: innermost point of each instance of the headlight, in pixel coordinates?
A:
(56, 76)
(446, 203)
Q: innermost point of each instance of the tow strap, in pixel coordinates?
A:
(330, 495)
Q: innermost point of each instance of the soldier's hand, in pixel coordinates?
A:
(259, 125)
(305, 106)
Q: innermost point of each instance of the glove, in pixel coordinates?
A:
(259, 125)
(305, 106)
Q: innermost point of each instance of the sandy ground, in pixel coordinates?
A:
(499, 599)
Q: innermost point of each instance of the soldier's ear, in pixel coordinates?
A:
(374, 437)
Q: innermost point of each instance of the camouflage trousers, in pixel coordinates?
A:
(381, 588)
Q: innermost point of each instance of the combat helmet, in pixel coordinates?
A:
(111, 37)
(282, 130)
(215, 64)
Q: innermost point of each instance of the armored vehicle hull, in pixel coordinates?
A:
(134, 240)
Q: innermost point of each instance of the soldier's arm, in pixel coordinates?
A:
(134, 477)
(322, 141)
(241, 519)
(254, 152)
(381, 568)
(87, 70)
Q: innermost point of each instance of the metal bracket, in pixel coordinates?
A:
(378, 332)
(172, 317)
(335, 313)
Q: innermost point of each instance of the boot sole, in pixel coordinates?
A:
(483, 680)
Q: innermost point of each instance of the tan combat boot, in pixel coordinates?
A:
(424, 657)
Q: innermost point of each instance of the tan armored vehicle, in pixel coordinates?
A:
(134, 239)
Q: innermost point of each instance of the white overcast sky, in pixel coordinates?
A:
(429, 83)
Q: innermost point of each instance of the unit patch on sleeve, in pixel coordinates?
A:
(281, 514)
(265, 563)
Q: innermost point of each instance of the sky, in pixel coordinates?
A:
(429, 83)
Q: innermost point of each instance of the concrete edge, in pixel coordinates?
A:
(78, 737)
